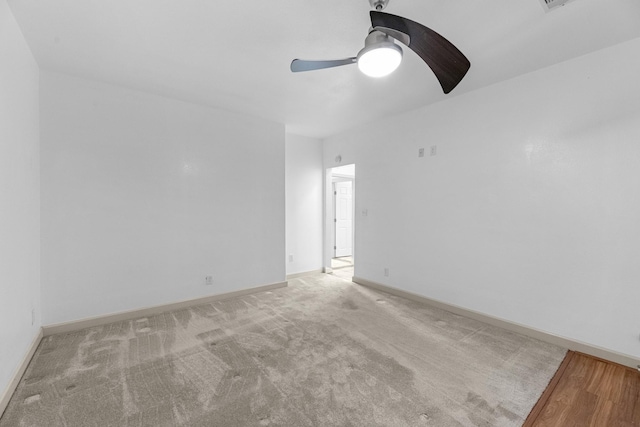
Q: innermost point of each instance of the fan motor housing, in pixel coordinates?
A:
(377, 38)
(378, 4)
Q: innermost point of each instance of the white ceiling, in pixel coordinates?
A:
(236, 54)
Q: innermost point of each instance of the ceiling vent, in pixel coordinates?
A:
(550, 5)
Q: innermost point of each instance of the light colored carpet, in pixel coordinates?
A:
(322, 352)
(345, 261)
(345, 273)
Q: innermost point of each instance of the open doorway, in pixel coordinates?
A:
(341, 214)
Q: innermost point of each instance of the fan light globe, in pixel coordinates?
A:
(380, 59)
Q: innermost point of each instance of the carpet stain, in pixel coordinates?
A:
(322, 352)
(484, 410)
(349, 304)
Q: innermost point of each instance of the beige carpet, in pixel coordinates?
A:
(345, 273)
(322, 352)
(339, 262)
(343, 267)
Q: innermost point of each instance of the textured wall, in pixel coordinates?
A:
(19, 197)
(144, 196)
(528, 212)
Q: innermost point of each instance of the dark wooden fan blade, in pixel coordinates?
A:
(298, 65)
(445, 60)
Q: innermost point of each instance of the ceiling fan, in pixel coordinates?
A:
(381, 55)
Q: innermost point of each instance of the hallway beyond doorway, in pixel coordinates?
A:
(342, 267)
(339, 241)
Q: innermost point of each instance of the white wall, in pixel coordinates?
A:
(144, 196)
(304, 177)
(19, 197)
(530, 211)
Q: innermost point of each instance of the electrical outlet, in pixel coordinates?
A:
(208, 280)
(290, 257)
(434, 150)
(386, 272)
(421, 152)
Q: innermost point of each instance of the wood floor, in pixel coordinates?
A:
(587, 391)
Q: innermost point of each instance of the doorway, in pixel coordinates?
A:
(341, 215)
(343, 218)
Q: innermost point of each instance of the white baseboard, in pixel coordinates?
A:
(602, 353)
(17, 376)
(327, 270)
(76, 325)
(304, 273)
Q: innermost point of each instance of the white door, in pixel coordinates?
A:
(344, 218)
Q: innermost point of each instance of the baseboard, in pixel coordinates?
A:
(76, 325)
(327, 270)
(17, 376)
(592, 350)
(304, 273)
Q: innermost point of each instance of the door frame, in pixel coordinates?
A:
(334, 181)
(329, 215)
